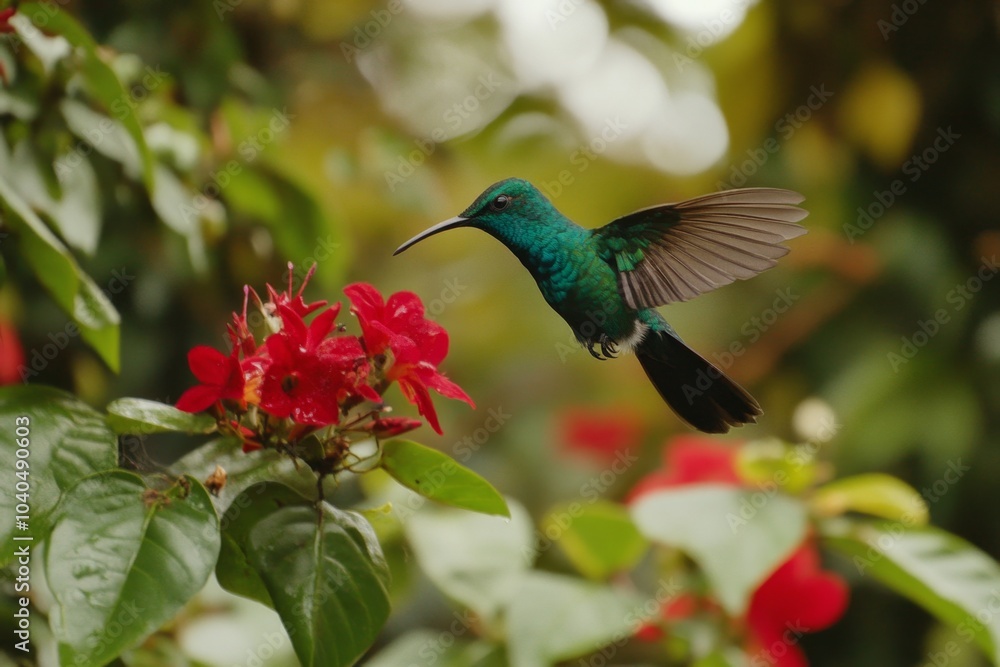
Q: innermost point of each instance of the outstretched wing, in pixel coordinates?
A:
(674, 252)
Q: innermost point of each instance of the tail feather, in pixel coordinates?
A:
(701, 394)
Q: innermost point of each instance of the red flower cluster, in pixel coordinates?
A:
(798, 597)
(306, 376)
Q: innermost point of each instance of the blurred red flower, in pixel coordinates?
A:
(600, 435)
(12, 359)
(797, 598)
(691, 459)
(417, 345)
(5, 16)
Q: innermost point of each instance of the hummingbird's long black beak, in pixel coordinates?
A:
(450, 223)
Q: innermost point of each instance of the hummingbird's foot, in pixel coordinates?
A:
(608, 347)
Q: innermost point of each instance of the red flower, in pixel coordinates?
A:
(239, 331)
(309, 374)
(11, 355)
(601, 435)
(5, 16)
(294, 300)
(221, 378)
(417, 345)
(388, 427)
(798, 597)
(691, 459)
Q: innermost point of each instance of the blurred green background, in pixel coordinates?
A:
(333, 131)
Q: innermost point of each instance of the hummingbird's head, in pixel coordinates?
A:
(504, 206)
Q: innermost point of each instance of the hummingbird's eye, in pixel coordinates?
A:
(500, 203)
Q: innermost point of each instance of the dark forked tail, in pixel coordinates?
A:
(698, 392)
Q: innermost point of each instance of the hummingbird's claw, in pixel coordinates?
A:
(608, 347)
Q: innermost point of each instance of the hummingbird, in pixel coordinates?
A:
(607, 282)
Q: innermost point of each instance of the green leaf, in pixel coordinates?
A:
(772, 463)
(437, 476)
(69, 196)
(100, 80)
(174, 203)
(941, 572)
(142, 416)
(474, 559)
(123, 560)
(447, 648)
(252, 505)
(115, 142)
(599, 538)
(67, 440)
(554, 617)
(322, 569)
(736, 536)
(244, 470)
(58, 271)
(874, 493)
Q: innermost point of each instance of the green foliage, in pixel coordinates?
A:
(65, 440)
(437, 476)
(600, 539)
(320, 568)
(123, 559)
(941, 572)
(138, 415)
(875, 494)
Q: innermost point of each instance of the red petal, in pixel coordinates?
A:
(197, 399)
(445, 387)
(417, 394)
(321, 325)
(208, 364)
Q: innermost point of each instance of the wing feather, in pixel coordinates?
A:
(694, 246)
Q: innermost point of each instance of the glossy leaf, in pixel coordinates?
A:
(941, 572)
(250, 506)
(123, 559)
(243, 470)
(58, 271)
(712, 522)
(437, 476)
(554, 617)
(67, 440)
(474, 559)
(142, 416)
(874, 493)
(321, 568)
(599, 538)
